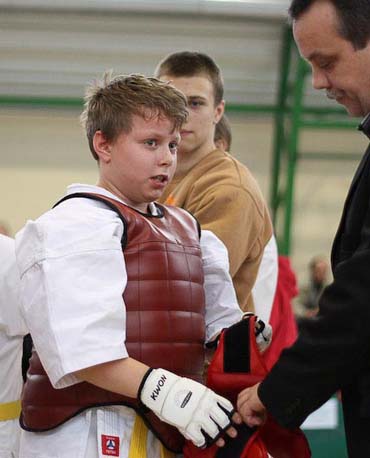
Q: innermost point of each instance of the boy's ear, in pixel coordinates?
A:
(219, 111)
(102, 147)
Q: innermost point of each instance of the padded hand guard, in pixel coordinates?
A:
(199, 414)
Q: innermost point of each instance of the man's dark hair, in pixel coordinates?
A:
(188, 63)
(353, 16)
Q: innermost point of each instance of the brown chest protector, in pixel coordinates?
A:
(165, 327)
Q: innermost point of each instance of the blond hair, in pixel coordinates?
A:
(111, 103)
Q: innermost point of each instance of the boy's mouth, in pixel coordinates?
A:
(160, 178)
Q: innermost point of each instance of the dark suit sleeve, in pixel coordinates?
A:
(332, 348)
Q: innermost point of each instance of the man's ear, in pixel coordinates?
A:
(219, 111)
(102, 147)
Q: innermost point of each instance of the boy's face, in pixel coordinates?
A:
(137, 166)
(198, 133)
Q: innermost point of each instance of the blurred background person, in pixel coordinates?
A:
(4, 228)
(309, 295)
(12, 330)
(223, 136)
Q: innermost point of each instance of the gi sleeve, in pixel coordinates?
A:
(72, 280)
(222, 309)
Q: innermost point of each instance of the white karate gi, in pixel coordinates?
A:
(264, 288)
(71, 262)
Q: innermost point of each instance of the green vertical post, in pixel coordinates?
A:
(279, 135)
(292, 150)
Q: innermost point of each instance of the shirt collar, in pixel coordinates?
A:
(365, 125)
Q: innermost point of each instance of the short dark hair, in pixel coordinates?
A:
(188, 63)
(353, 16)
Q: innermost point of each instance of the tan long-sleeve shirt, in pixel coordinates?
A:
(225, 198)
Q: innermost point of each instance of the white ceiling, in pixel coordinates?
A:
(262, 8)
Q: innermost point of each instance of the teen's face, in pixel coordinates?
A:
(137, 166)
(336, 66)
(198, 133)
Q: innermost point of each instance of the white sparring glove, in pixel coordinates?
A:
(196, 411)
(262, 331)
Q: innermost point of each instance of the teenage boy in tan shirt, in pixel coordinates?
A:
(217, 189)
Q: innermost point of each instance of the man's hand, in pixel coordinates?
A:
(250, 407)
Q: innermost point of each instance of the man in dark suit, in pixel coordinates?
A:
(333, 349)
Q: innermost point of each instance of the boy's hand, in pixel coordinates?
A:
(250, 407)
(199, 414)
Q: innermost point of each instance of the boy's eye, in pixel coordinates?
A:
(195, 103)
(151, 142)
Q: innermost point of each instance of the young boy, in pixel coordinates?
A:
(12, 330)
(114, 285)
(210, 183)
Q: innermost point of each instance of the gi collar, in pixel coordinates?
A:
(365, 125)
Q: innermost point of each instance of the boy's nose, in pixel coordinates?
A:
(167, 156)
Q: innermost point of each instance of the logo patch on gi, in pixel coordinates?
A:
(110, 445)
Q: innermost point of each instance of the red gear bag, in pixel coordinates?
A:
(237, 364)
